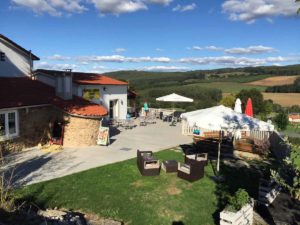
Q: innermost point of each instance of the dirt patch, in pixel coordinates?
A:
(137, 184)
(274, 81)
(173, 191)
(171, 214)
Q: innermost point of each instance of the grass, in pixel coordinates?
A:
(118, 191)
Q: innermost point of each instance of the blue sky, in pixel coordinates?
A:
(154, 35)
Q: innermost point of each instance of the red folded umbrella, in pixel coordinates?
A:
(249, 108)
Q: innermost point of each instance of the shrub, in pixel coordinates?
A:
(281, 120)
(238, 200)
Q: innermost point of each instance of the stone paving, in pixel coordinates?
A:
(35, 165)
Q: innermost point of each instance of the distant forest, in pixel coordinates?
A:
(144, 80)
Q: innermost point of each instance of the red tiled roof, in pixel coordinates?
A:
(34, 57)
(19, 92)
(294, 117)
(85, 78)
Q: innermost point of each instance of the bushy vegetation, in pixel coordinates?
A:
(293, 88)
(281, 120)
(238, 200)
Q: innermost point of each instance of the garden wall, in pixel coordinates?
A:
(80, 132)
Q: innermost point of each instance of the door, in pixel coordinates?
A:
(113, 109)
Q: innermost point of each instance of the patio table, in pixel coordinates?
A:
(170, 166)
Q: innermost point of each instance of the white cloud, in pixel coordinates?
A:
(161, 2)
(119, 6)
(250, 10)
(119, 50)
(165, 68)
(159, 49)
(211, 48)
(49, 66)
(184, 8)
(51, 7)
(58, 57)
(258, 49)
(121, 59)
(59, 7)
(237, 61)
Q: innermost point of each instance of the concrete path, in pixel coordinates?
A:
(35, 165)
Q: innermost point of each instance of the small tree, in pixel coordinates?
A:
(257, 99)
(282, 120)
(288, 174)
(228, 101)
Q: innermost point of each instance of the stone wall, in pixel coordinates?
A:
(34, 128)
(80, 132)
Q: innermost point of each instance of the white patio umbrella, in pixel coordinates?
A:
(174, 98)
(238, 106)
(221, 118)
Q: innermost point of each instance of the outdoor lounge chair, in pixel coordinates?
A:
(196, 158)
(190, 172)
(147, 164)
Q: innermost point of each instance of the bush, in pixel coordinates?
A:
(256, 97)
(238, 200)
(281, 120)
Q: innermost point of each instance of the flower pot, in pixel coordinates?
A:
(242, 217)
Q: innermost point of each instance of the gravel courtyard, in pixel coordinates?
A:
(36, 165)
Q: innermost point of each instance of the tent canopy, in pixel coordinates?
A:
(223, 118)
(174, 98)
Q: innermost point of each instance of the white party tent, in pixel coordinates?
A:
(223, 118)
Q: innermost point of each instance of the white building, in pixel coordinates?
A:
(15, 61)
(100, 89)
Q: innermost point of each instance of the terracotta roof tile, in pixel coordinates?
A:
(85, 78)
(19, 92)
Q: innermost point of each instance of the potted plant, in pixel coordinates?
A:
(239, 209)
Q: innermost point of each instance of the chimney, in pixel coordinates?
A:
(64, 83)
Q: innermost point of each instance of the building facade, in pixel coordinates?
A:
(32, 104)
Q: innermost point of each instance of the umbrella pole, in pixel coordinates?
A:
(219, 152)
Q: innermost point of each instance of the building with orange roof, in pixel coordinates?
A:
(62, 107)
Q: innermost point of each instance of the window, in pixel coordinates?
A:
(2, 56)
(8, 125)
(91, 94)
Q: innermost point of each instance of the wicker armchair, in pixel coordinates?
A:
(197, 158)
(190, 172)
(147, 164)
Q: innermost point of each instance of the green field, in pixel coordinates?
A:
(227, 87)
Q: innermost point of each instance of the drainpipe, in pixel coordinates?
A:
(31, 64)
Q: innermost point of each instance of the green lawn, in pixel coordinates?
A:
(118, 191)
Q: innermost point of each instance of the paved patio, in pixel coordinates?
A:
(35, 165)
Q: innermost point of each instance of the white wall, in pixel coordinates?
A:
(16, 63)
(49, 80)
(112, 92)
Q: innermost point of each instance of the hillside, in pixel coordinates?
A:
(143, 80)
